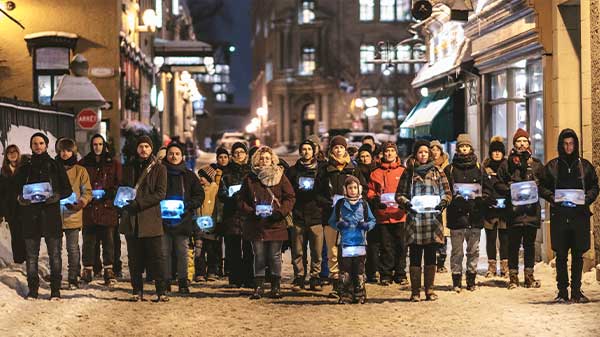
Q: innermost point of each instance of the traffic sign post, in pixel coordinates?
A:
(87, 119)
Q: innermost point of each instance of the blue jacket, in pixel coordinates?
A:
(352, 225)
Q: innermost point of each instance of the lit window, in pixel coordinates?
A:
(387, 107)
(418, 53)
(221, 97)
(307, 12)
(386, 10)
(159, 13)
(403, 10)
(51, 64)
(175, 7)
(366, 10)
(307, 61)
(367, 54)
(403, 52)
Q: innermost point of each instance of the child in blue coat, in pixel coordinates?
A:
(352, 218)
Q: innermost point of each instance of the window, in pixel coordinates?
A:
(419, 51)
(158, 7)
(307, 61)
(498, 83)
(403, 10)
(403, 52)
(499, 120)
(51, 64)
(307, 12)
(367, 54)
(388, 106)
(175, 7)
(366, 10)
(386, 10)
(221, 97)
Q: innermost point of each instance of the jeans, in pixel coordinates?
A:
(240, 259)
(95, 235)
(314, 234)
(516, 235)
(331, 238)
(267, 252)
(420, 252)
(53, 245)
(457, 238)
(207, 257)
(73, 253)
(144, 252)
(392, 250)
(178, 245)
(490, 243)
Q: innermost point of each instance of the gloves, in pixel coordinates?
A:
(76, 207)
(490, 202)
(22, 201)
(276, 216)
(362, 225)
(342, 224)
(131, 208)
(442, 205)
(409, 208)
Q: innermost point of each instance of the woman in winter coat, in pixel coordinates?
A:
(182, 184)
(72, 213)
(465, 213)
(100, 216)
(330, 185)
(495, 213)
(9, 205)
(268, 189)
(238, 252)
(141, 221)
(441, 160)
(391, 220)
(42, 219)
(424, 230)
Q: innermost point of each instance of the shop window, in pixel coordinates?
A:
(521, 112)
(307, 61)
(387, 10)
(50, 65)
(366, 10)
(403, 10)
(418, 53)
(520, 82)
(306, 13)
(499, 88)
(387, 106)
(403, 53)
(175, 7)
(498, 120)
(367, 55)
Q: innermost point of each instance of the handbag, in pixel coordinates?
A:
(289, 221)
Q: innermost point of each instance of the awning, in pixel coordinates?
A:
(432, 117)
(164, 47)
(445, 66)
(77, 89)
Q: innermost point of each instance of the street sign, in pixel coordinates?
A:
(87, 119)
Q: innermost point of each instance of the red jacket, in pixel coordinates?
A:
(384, 179)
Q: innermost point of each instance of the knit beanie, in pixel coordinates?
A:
(207, 172)
(464, 139)
(497, 144)
(221, 151)
(363, 148)
(145, 139)
(39, 134)
(66, 144)
(521, 133)
(177, 145)
(418, 144)
(338, 140)
(387, 145)
(307, 142)
(239, 145)
(437, 144)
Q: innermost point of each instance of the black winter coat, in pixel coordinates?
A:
(490, 192)
(306, 211)
(183, 182)
(43, 219)
(462, 213)
(233, 219)
(518, 168)
(570, 172)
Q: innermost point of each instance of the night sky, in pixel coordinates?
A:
(228, 21)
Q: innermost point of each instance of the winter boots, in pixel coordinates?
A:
(345, 291)
(335, 292)
(401, 279)
(184, 287)
(275, 287)
(33, 283)
(491, 272)
(87, 274)
(577, 296)
(471, 281)
(55, 288)
(109, 277)
(360, 293)
(161, 291)
(530, 281)
(429, 281)
(457, 282)
(441, 261)
(315, 284)
(563, 296)
(259, 290)
(513, 281)
(504, 268)
(298, 284)
(73, 284)
(415, 284)
(137, 296)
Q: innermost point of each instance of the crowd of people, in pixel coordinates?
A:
(357, 219)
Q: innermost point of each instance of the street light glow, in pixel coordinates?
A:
(371, 111)
(371, 102)
(261, 111)
(359, 103)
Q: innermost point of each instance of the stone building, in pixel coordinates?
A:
(312, 60)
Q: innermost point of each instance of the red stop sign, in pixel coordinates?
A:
(87, 118)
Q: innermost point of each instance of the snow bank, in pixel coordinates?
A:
(20, 136)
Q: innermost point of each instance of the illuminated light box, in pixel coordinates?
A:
(353, 251)
(205, 223)
(468, 191)
(233, 190)
(38, 192)
(306, 183)
(524, 193)
(98, 194)
(72, 199)
(124, 195)
(570, 197)
(171, 209)
(425, 203)
(500, 203)
(264, 211)
(389, 199)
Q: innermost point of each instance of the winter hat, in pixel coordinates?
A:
(418, 144)
(177, 145)
(497, 144)
(521, 133)
(338, 140)
(464, 139)
(221, 151)
(307, 142)
(66, 144)
(207, 172)
(144, 139)
(386, 145)
(239, 145)
(363, 148)
(437, 144)
(39, 134)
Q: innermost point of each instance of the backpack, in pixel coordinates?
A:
(340, 203)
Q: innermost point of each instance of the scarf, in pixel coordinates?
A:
(311, 164)
(441, 160)
(494, 164)
(90, 159)
(422, 169)
(268, 175)
(339, 163)
(519, 161)
(175, 170)
(240, 162)
(466, 161)
(67, 163)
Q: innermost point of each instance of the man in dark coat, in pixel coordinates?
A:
(524, 215)
(141, 220)
(569, 219)
(42, 218)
